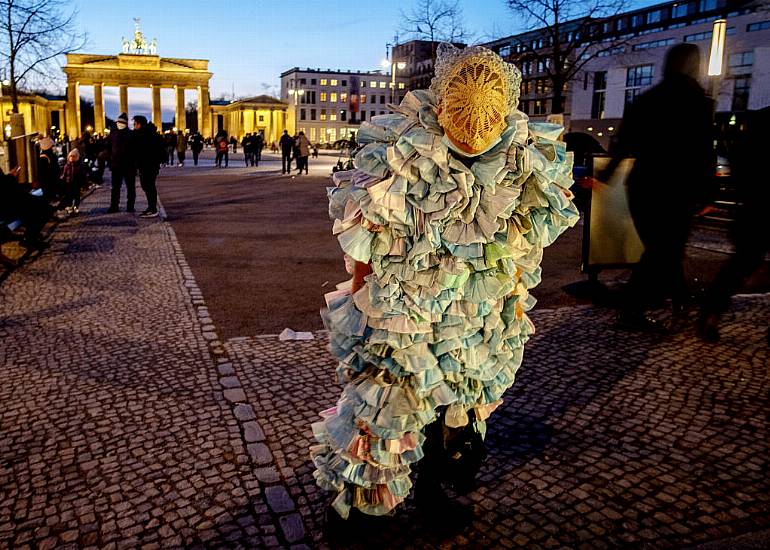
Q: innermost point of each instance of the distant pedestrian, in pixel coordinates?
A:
(670, 177)
(287, 146)
(170, 140)
(47, 169)
(221, 146)
(303, 148)
(248, 151)
(749, 231)
(149, 148)
(196, 146)
(234, 143)
(259, 144)
(121, 157)
(73, 180)
(181, 147)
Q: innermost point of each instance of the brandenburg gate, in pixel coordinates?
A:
(137, 66)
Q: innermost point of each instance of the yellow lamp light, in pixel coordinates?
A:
(717, 54)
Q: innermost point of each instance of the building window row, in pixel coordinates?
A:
(760, 26)
(698, 36)
(637, 78)
(653, 44)
(741, 63)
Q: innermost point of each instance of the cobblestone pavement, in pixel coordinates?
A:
(115, 430)
(608, 439)
(127, 423)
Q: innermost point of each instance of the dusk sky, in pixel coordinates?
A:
(250, 43)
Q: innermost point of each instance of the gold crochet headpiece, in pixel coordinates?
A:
(475, 90)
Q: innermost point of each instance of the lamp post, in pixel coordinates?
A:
(393, 64)
(296, 93)
(716, 57)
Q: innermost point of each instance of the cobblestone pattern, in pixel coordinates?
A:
(608, 439)
(115, 431)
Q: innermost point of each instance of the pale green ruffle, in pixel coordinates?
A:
(455, 245)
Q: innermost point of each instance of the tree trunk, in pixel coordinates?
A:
(557, 104)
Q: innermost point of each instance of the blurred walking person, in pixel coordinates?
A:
(121, 157)
(749, 231)
(196, 146)
(668, 130)
(181, 147)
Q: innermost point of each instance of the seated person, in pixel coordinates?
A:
(16, 203)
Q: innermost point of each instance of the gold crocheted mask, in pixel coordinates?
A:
(476, 90)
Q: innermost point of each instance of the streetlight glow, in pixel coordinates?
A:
(717, 47)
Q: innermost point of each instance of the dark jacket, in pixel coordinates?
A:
(287, 143)
(149, 148)
(120, 150)
(47, 171)
(74, 175)
(669, 131)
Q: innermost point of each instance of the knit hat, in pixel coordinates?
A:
(45, 143)
(123, 118)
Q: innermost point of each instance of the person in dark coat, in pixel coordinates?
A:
(221, 146)
(122, 166)
(287, 147)
(749, 231)
(259, 144)
(668, 130)
(196, 146)
(150, 151)
(47, 169)
(17, 203)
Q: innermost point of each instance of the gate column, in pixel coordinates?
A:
(156, 115)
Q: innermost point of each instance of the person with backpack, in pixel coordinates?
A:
(150, 152)
(221, 146)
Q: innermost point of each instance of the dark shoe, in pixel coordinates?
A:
(708, 327)
(113, 209)
(638, 322)
(149, 214)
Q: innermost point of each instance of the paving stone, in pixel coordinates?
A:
(278, 499)
(252, 432)
(235, 395)
(244, 412)
(293, 527)
(260, 453)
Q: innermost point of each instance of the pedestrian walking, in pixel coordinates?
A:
(749, 230)
(287, 146)
(121, 157)
(196, 146)
(221, 145)
(170, 141)
(234, 143)
(671, 174)
(429, 333)
(259, 144)
(149, 148)
(248, 152)
(73, 180)
(303, 148)
(181, 147)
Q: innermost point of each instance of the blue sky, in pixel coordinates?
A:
(249, 43)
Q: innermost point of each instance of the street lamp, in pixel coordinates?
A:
(400, 65)
(296, 93)
(716, 56)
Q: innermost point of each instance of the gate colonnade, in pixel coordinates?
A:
(127, 70)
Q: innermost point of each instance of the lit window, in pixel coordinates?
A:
(383, 83)
(323, 96)
(343, 97)
(333, 115)
(333, 97)
(323, 114)
(312, 134)
(323, 82)
(363, 83)
(400, 85)
(363, 98)
(334, 82)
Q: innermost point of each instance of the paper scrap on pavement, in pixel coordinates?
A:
(289, 334)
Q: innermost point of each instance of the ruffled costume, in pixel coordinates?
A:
(455, 244)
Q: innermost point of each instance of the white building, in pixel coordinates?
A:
(330, 105)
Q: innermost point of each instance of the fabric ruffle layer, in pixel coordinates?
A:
(454, 247)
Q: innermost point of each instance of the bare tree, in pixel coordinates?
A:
(435, 21)
(33, 33)
(571, 34)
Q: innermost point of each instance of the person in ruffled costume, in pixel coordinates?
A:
(443, 222)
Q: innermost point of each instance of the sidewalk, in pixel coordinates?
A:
(127, 423)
